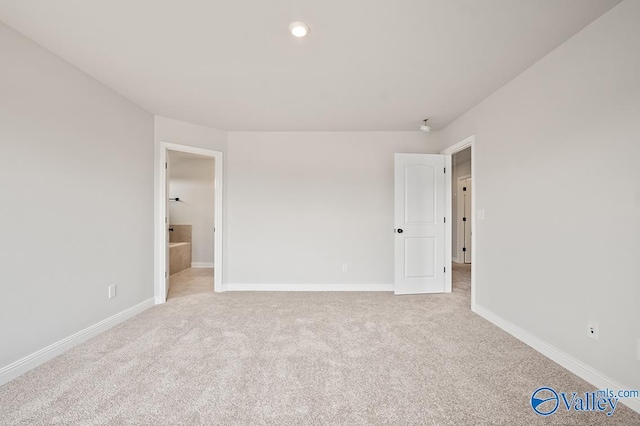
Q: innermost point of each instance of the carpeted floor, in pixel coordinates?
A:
(296, 359)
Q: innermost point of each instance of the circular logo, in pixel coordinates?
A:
(545, 401)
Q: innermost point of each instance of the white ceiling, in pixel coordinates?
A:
(366, 64)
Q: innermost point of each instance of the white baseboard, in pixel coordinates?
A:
(202, 264)
(597, 379)
(29, 362)
(307, 287)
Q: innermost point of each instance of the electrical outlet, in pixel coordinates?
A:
(112, 291)
(592, 329)
(345, 267)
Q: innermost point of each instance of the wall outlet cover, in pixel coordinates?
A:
(112, 291)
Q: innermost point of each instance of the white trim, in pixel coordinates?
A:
(30, 362)
(596, 378)
(160, 238)
(308, 287)
(202, 264)
(463, 144)
(460, 146)
(448, 276)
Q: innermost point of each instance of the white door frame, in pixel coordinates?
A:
(460, 215)
(463, 144)
(161, 213)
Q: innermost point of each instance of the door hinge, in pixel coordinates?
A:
(165, 274)
(464, 219)
(464, 249)
(445, 269)
(445, 170)
(445, 220)
(165, 166)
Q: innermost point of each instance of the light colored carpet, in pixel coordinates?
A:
(298, 358)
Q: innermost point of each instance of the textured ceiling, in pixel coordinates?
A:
(366, 64)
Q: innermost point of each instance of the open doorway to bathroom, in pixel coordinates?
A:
(191, 214)
(188, 221)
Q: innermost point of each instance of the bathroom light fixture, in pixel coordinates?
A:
(299, 29)
(424, 126)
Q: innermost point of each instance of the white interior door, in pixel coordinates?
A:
(167, 221)
(419, 223)
(466, 248)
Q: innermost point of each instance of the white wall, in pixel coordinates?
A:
(180, 132)
(557, 160)
(77, 203)
(192, 180)
(301, 204)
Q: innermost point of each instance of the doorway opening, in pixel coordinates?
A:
(189, 222)
(461, 233)
(191, 218)
(461, 198)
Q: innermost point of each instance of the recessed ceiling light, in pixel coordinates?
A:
(299, 29)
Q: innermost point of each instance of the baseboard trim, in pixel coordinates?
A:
(307, 287)
(202, 265)
(597, 379)
(30, 362)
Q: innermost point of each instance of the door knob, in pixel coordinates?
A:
(399, 231)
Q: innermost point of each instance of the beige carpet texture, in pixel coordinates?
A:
(299, 359)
